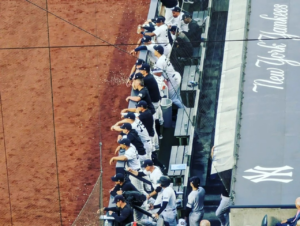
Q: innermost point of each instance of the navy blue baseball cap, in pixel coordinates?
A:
(160, 19)
(176, 9)
(159, 49)
(142, 103)
(147, 162)
(145, 67)
(126, 126)
(186, 15)
(139, 62)
(173, 28)
(118, 177)
(138, 76)
(195, 180)
(119, 198)
(130, 115)
(146, 38)
(124, 141)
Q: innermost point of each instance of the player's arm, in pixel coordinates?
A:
(189, 206)
(151, 34)
(121, 122)
(155, 192)
(123, 215)
(114, 209)
(139, 48)
(162, 208)
(113, 191)
(134, 172)
(119, 137)
(132, 72)
(139, 42)
(129, 110)
(117, 149)
(116, 128)
(118, 158)
(133, 98)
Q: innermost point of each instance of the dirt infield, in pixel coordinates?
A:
(53, 118)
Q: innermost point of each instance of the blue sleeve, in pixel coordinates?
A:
(162, 208)
(131, 76)
(140, 48)
(291, 220)
(114, 209)
(123, 215)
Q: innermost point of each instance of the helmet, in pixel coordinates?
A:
(164, 181)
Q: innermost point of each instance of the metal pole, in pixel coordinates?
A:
(100, 178)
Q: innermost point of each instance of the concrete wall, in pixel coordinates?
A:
(228, 113)
(254, 216)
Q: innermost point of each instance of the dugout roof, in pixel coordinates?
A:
(268, 164)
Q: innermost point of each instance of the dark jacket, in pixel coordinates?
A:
(152, 86)
(135, 139)
(194, 33)
(126, 186)
(183, 46)
(122, 216)
(292, 221)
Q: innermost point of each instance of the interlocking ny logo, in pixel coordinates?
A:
(269, 174)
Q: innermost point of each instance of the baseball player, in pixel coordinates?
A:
(147, 45)
(150, 170)
(173, 77)
(194, 207)
(176, 19)
(157, 73)
(138, 126)
(135, 69)
(122, 212)
(169, 5)
(131, 157)
(152, 86)
(142, 95)
(145, 115)
(154, 173)
(121, 185)
(167, 208)
(147, 119)
(161, 33)
(133, 137)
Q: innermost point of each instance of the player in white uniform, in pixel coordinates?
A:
(167, 208)
(153, 172)
(161, 33)
(176, 19)
(195, 204)
(147, 45)
(138, 126)
(173, 77)
(131, 156)
(164, 93)
(169, 5)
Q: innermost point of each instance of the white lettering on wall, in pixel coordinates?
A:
(275, 55)
(269, 174)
